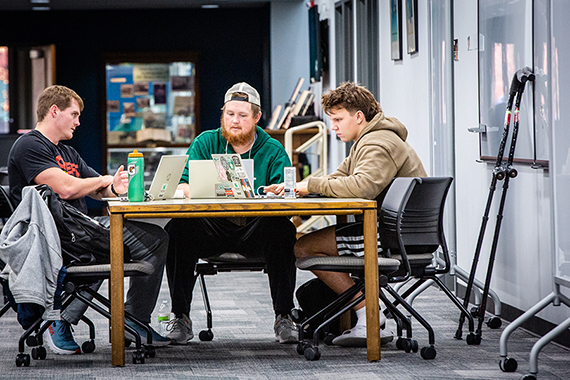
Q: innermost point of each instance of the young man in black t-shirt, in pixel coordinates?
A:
(39, 157)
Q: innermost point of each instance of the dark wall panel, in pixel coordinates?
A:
(232, 45)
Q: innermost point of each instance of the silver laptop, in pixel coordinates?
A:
(204, 181)
(167, 176)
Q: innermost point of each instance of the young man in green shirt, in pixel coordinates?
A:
(270, 237)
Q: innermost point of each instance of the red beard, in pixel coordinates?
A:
(239, 139)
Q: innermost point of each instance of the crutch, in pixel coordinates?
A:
(500, 172)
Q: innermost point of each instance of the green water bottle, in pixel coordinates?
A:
(135, 167)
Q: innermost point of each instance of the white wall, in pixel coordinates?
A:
(404, 85)
(522, 272)
(289, 49)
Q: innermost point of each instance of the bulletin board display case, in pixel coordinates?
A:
(151, 102)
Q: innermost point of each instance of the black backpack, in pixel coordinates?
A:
(313, 296)
(84, 241)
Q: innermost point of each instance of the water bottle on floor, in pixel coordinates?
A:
(163, 316)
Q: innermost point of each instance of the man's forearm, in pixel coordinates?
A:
(70, 187)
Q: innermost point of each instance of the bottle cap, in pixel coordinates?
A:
(135, 153)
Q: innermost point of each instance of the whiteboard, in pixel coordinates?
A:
(505, 46)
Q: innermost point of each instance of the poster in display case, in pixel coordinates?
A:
(152, 102)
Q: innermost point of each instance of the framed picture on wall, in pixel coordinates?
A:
(395, 29)
(412, 25)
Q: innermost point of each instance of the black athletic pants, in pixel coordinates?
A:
(270, 237)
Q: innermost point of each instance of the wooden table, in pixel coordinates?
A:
(197, 208)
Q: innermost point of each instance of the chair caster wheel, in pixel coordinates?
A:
(428, 352)
(400, 343)
(473, 339)
(22, 359)
(528, 377)
(138, 357)
(39, 353)
(88, 346)
(475, 312)
(149, 351)
(329, 339)
(415, 345)
(312, 353)
(494, 323)
(206, 335)
(31, 341)
(408, 344)
(508, 365)
(302, 346)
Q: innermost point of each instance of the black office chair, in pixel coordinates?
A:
(76, 285)
(226, 262)
(4, 175)
(421, 236)
(410, 228)
(346, 264)
(6, 210)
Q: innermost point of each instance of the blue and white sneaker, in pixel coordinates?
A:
(157, 339)
(60, 340)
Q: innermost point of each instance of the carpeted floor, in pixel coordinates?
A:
(244, 347)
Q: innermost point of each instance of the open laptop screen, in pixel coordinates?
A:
(204, 181)
(167, 176)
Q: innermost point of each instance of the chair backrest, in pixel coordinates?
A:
(411, 217)
(6, 210)
(6, 207)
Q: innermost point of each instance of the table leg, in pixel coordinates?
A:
(117, 291)
(371, 285)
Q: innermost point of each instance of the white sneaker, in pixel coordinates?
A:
(286, 331)
(356, 337)
(180, 330)
(382, 320)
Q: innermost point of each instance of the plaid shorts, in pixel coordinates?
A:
(350, 239)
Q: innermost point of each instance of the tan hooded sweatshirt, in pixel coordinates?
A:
(379, 154)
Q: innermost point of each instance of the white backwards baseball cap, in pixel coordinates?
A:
(251, 94)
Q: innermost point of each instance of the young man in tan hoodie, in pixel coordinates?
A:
(379, 154)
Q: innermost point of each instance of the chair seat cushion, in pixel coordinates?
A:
(228, 262)
(347, 264)
(103, 271)
(235, 258)
(418, 259)
(418, 263)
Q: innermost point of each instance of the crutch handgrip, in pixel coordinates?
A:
(525, 74)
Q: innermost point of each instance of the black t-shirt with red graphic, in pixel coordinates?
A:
(33, 153)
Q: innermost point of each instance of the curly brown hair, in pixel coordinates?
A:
(351, 97)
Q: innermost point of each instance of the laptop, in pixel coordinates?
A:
(204, 180)
(167, 176)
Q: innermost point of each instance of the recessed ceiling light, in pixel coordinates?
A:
(210, 6)
(40, 5)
